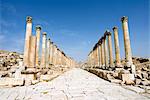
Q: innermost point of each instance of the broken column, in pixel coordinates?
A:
(38, 32)
(117, 48)
(48, 53)
(43, 57)
(127, 44)
(111, 63)
(27, 40)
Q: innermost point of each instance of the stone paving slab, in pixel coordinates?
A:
(75, 84)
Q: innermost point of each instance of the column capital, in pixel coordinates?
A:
(49, 39)
(124, 19)
(115, 28)
(106, 33)
(38, 27)
(44, 33)
(29, 19)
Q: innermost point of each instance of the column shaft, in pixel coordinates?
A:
(32, 53)
(117, 48)
(127, 45)
(111, 63)
(105, 52)
(43, 57)
(27, 40)
(99, 55)
(48, 53)
(38, 31)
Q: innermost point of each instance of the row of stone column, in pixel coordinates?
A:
(102, 53)
(51, 54)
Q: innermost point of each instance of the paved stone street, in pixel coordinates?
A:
(75, 84)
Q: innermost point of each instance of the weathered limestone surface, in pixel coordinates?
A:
(48, 53)
(127, 45)
(27, 40)
(111, 62)
(38, 32)
(70, 87)
(32, 53)
(43, 57)
(117, 48)
(106, 52)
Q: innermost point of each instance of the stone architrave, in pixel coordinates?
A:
(27, 40)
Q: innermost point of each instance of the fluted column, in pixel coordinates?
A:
(27, 40)
(111, 63)
(38, 32)
(43, 57)
(117, 48)
(127, 45)
(48, 53)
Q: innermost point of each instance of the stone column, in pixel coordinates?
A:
(106, 51)
(51, 52)
(111, 63)
(32, 53)
(99, 55)
(43, 57)
(128, 53)
(117, 48)
(48, 53)
(38, 32)
(102, 51)
(27, 40)
(127, 46)
(54, 55)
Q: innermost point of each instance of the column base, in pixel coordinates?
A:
(119, 66)
(133, 69)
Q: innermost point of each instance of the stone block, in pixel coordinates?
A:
(45, 77)
(34, 81)
(138, 81)
(115, 81)
(29, 76)
(11, 82)
(128, 79)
